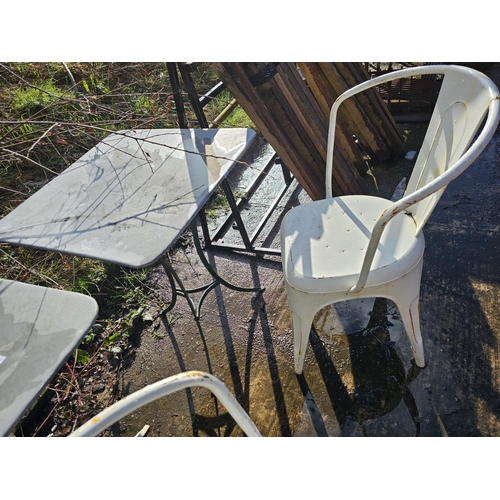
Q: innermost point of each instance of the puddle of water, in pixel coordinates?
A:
(346, 317)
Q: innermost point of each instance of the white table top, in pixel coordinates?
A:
(39, 329)
(128, 199)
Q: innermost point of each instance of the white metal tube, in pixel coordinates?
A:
(162, 388)
(403, 73)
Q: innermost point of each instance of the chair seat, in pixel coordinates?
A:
(324, 244)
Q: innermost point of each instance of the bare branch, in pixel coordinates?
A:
(29, 159)
(40, 138)
(14, 191)
(75, 89)
(6, 68)
(126, 134)
(31, 271)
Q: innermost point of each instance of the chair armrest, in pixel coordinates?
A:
(442, 181)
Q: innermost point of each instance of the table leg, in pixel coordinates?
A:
(211, 270)
(178, 287)
(183, 291)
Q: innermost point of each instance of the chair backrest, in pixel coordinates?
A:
(462, 104)
(169, 385)
(465, 97)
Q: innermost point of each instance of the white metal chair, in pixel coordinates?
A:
(162, 388)
(349, 247)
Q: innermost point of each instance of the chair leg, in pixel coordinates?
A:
(410, 314)
(301, 331)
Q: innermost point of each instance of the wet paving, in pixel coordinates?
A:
(359, 379)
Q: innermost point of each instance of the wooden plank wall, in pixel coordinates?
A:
(291, 110)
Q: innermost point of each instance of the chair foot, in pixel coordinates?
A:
(419, 361)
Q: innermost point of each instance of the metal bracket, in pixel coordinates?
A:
(178, 287)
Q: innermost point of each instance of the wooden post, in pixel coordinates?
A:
(291, 109)
(287, 114)
(366, 114)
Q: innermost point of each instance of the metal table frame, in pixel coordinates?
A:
(214, 240)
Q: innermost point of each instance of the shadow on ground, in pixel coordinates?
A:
(359, 379)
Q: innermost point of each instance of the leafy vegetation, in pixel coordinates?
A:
(50, 115)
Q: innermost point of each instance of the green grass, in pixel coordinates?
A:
(239, 119)
(28, 100)
(89, 275)
(146, 105)
(127, 288)
(218, 203)
(108, 96)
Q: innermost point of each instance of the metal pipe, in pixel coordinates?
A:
(225, 113)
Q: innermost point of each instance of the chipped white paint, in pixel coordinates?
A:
(363, 246)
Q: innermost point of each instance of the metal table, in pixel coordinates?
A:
(128, 199)
(39, 329)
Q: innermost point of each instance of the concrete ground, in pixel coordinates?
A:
(358, 378)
